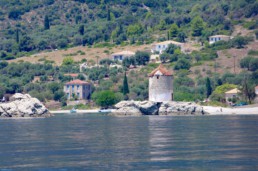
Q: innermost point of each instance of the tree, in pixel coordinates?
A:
(171, 49)
(46, 23)
(248, 89)
(125, 85)
(245, 62)
(197, 25)
(58, 95)
(239, 42)
(17, 36)
(108, 14)
(104, 98)
(26, 44)
(53, 87)
(208, 87)
(2, 91)
(173, 31)
(68, 61)
(181, 36)
(142, 58)
(253, 64)
(81, 30)
(3, 64)
(182, 64)
(164, 57)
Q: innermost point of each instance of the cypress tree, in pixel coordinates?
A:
(81, 29)
(108, 14)
(17, 38)
(46, 23)
(125, 86)
(208, 87)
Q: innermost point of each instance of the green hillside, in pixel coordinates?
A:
(28, 26)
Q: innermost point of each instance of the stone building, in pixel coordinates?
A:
(78, 88)
(160, 85)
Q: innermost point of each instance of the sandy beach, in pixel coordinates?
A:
(77, 111)
(231, 111)
(209, 109)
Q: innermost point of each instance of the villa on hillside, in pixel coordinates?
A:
(216, 38)
(232, 94)
(78, 88)
(120, 56)
(160, 47)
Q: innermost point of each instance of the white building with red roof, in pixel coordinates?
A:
(77, 89)
(161, 85)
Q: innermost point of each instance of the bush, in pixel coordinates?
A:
(182, 64)
(105, 98)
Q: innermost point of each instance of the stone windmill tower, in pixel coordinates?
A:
(160, 85)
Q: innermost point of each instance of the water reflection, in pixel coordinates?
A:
(82, 142)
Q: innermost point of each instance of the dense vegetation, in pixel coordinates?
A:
(29, 26)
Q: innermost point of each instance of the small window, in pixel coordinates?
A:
(157, 76)
(78, 86)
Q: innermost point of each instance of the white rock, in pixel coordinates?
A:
(23, 106)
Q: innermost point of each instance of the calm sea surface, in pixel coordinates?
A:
(91, 142)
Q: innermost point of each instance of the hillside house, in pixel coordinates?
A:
(78, 88)
(120, 56)
(216, 38)
(160, 47)
(232, 94)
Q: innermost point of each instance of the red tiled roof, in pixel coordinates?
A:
(161, 69)
(76, 82)
(72, 75)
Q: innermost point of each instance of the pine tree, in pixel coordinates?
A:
(46, 23)
(208, 87)
(125, 86)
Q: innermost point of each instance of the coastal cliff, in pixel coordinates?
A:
(23, 105)
(138, 108)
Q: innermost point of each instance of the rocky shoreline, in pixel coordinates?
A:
(171, 108)
(23, 105)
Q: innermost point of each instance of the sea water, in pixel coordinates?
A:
(92, 142)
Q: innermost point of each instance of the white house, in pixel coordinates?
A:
(120, 56)
(216, 38)
(160, 47)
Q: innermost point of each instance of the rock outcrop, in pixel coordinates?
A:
(138, 108)
(23, 105)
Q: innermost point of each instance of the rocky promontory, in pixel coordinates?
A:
(138, 108)
(23, 105)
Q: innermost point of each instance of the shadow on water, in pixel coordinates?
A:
(96, 142)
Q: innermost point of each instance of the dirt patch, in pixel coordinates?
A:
(79, 53)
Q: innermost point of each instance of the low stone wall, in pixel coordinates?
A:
(138, 108)
(23, 105)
